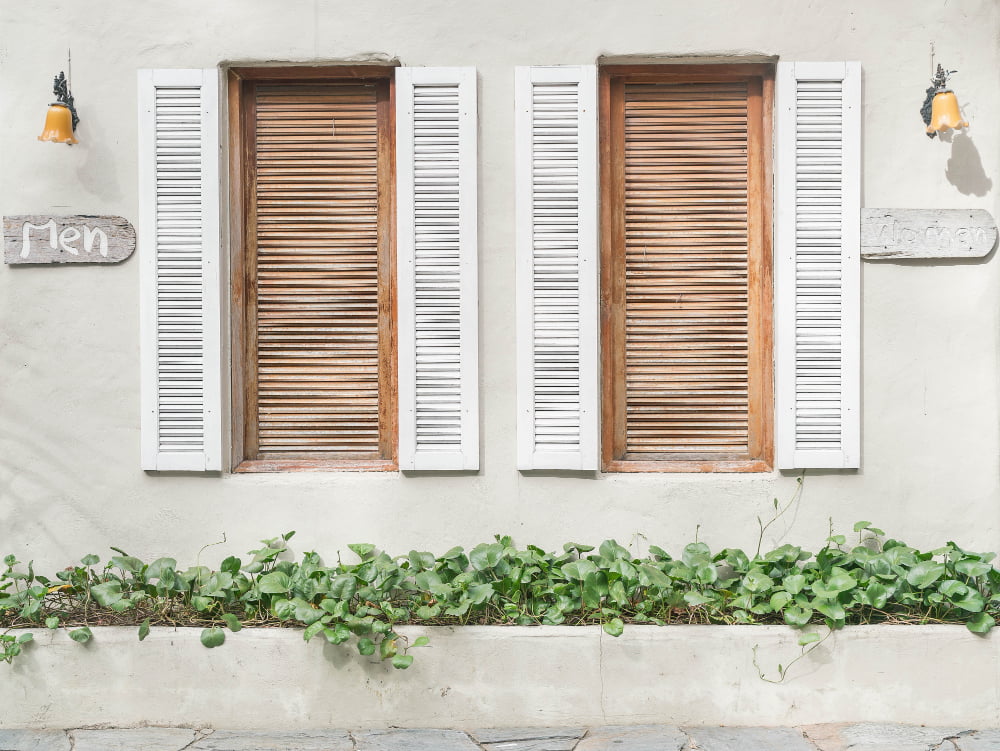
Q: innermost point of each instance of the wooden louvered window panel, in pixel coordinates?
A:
(316, 279)
(686, 280)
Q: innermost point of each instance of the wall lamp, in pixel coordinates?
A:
(940, 110)
(61, 119)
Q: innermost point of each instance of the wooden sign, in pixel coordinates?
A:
(927, 233)
(66, 239)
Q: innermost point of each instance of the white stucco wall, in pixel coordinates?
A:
(70, 481)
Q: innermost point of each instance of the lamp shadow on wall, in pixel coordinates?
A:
(965, 166)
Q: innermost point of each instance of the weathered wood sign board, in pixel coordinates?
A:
(927, 233)
(66, 239)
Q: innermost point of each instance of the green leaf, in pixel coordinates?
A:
(402, 662)
(90, 560)
(312, 630)
(694, 599)
(925, 573)
(25, 638)
(858, 526)
(52, 622)
(756, 580)
(970, 567)
(654, 576)
(830, 608)
(158, 568)
(232, 622)
(875, 594)
(81, 635)
(387, 647)
(127, 563)
(794, 584)
(480, 593)
(338, 634)
(614, 627)
(595, 588)
(981, 623)
(579, 547)
(797, 616)
(779, 600)
(366, 646)
(144, 629)
(810, 637)
(364, 551)
(107, 593)
(283, 609)
(201, 604)
(274, 583)
(420, 641)
(213, 637)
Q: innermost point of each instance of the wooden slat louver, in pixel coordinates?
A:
(818, 266)
(686, 294)
(690, 345)
(436, 154)
(179, 231)
(320, 321)
(557, 268)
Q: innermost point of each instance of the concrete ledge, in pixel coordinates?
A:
(505, 676)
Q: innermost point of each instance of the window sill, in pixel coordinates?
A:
(251, 466)
(688, 465)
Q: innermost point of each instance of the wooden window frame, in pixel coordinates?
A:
(760, 79)
(242, 234)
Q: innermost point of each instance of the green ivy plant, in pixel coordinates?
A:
(869, 580)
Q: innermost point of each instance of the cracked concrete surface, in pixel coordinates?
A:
(829, 737)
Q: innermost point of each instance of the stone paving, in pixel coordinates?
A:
(842, 737)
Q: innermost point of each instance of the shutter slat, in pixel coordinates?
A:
(437, 270)
(179, 243)
(557, 268)
(818, 269)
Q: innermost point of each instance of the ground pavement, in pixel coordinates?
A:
(844, 737)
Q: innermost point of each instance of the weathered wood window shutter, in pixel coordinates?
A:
(557, 267)
(179, 251)
(817, 265)
(437, 268)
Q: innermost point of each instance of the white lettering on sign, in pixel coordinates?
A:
(65, 238)
(927, 233)
(943, 238)
(83, 238)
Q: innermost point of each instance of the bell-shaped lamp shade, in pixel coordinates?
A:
(58, 125)
(945, 114)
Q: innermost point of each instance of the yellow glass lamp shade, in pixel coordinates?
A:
(945, 114)
(58, 125)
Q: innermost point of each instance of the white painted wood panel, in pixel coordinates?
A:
(179, 251)
(817, 265)
(437, 274)
(557, 268)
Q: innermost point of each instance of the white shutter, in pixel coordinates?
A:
(437, 268)
(179, 255)
(557, 268)
(817, 265)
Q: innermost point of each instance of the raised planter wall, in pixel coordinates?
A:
(506, 676)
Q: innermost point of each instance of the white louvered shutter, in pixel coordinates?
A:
(817, 265)
(557, 268)
(437, 268)
(179, 256)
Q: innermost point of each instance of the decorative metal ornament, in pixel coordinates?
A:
(940, 110)
(61, 119)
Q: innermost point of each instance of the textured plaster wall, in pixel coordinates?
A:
(69, 373)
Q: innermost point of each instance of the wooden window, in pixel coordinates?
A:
(685, 268)
(313, 277)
